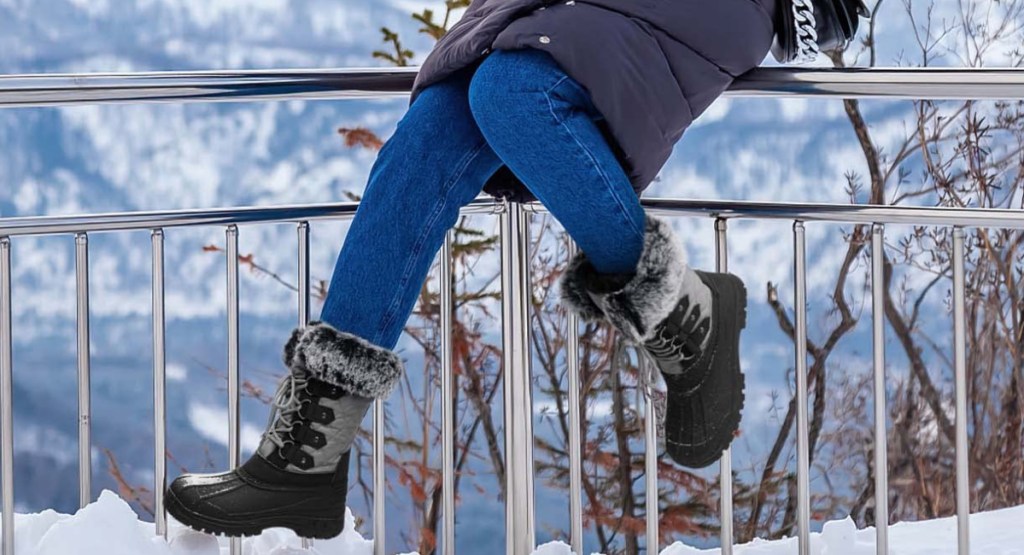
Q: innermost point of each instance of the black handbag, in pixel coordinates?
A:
(805, 28)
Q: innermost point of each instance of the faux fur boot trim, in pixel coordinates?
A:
(573, 292)
(343, 359)
(645, 298)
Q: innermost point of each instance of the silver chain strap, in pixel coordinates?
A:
(806, 35)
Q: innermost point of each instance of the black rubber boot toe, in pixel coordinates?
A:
(701, 421)
(256, 496)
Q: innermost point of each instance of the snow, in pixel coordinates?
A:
(108, 526)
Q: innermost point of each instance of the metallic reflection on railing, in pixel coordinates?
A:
(724, 209)
(725, 468)
(803, 471)
(6, 400)
(82, 348)
(42, 90)
(159, 382)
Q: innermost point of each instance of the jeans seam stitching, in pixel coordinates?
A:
(418, 246)
(547, 96)
(593, 160)
(552, 87)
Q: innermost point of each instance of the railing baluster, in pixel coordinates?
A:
(82, 331)
(231, 239)
(725, 465)
(159, 384)
(302, 230)
(303, 234)
(6, 398)
(802, 441)
(572, 362)
(515, 327)
(526, 380)
(650, 460)
(378, 477)
(963, 491)
(447, 400)
(231, 236)
(878, 348)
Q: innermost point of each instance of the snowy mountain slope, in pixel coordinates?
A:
(112, 35)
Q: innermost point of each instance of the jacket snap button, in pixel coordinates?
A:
(571, 3)
(542, 8)
(544, 39)
(485, 50)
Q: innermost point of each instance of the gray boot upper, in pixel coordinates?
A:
(334, 377)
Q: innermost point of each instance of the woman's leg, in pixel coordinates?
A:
(435, 163)
(632, 270)
(541, 122)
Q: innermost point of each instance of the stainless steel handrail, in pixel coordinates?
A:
(144, 220)
(42, 90)
(724, 209)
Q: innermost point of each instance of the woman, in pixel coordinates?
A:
(577, 104)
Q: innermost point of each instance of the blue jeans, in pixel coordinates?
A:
(516, 108)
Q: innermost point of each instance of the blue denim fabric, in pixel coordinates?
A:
(516, 107)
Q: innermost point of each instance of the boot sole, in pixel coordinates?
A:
(303, 526)
(732, 313)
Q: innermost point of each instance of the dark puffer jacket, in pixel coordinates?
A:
(651, 66)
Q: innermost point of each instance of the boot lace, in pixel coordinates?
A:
(286, 405)
(682, 343)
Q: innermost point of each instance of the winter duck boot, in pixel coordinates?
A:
(298, 476)
(688, 323)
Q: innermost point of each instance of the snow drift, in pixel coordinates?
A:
(108, 526)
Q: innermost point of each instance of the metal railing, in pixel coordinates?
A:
(178, 87)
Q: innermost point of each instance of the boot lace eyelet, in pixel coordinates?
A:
(678, 337)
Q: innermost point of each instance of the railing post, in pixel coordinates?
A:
(159, 384)
(572, 363)
(6, 398)
(378, 478)
(802, 441)
(448, 398)
(82, 332)
(231, 238)
(963, 488)
(302, 232)
(515, 327)
(878, 349)
(725, 466)
(650, 459)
